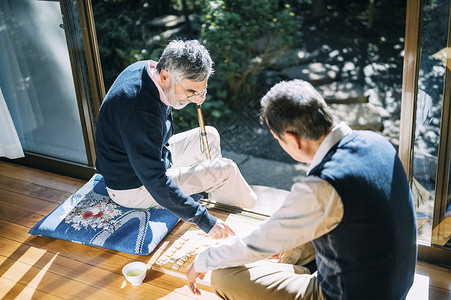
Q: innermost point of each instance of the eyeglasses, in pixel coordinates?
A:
(200, 95)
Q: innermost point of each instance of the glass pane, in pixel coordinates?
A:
(434, 33)
(350, 50)
(36, 79)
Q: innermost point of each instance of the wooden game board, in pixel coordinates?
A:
(176, 255)
(178, 250)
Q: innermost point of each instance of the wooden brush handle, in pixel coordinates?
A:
(203, 132)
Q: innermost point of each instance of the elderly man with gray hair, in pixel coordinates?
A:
(143, 163)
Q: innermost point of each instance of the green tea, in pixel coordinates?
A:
(134, 272)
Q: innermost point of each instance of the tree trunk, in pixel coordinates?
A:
(186, 14)
(371, 9)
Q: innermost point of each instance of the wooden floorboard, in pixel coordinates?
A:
(33, 190)
(45, 268)
(11, 289)
(41, 178)
(42, 267)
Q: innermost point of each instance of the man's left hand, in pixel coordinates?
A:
(191, 276)
(220, 230)
(198, 101)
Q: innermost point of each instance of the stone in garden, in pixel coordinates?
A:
(359, 116)
(267, 79)
(165, 35)
(315, 73)
(292, 57)
(343, 92)
(168, 21)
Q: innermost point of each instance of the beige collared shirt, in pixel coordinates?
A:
(312, 209)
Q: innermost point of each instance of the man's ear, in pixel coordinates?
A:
(165, 79)
(292, 139)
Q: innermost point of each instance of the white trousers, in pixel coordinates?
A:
(193, 173)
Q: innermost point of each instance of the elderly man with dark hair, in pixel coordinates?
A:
(355, 206)
(143, 163)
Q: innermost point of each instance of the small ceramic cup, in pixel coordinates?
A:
(135, 272)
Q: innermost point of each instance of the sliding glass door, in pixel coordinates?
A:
(36, 79)
(44, 79)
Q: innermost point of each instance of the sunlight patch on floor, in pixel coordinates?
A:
(27, 292)
(17, 270)
(420, 288)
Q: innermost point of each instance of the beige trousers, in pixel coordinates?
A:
(193, 173)
(266, 280)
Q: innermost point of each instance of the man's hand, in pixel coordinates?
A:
(191, 277)
(221, 230)
(198, 101)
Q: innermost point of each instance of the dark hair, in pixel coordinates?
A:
(186, 60)
(295, 106)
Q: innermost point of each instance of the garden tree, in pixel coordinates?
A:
(123, 31)
(186, 15)
(245, 37)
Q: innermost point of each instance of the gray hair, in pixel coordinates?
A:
(186, 60)
(296, 107)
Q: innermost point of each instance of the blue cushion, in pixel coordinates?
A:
(90, 217)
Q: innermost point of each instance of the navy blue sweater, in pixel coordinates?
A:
(132, 132)
(371, 254)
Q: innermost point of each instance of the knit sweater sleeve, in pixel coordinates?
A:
(143, 141)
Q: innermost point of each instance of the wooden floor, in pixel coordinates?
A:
(39, 267)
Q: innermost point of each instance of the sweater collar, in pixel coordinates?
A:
(151, 65)
(337, 133)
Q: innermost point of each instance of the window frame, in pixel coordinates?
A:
(431, 253)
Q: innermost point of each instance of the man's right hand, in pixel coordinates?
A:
(221, 230)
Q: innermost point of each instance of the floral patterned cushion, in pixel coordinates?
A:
(90, 217)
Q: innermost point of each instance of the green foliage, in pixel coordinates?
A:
(245, 37)
(193, 6)
(120, 33)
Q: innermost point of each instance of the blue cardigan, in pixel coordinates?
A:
(132, 132)
(371, 254)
